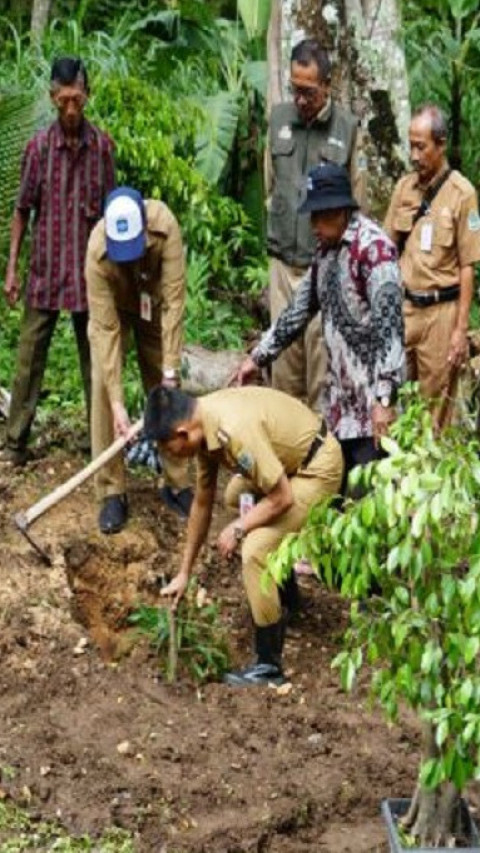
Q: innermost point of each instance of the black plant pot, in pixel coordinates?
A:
(393, 809)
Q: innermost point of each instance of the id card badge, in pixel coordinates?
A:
(426, 237)
(146, 306)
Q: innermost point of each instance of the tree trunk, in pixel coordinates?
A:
(434, 818)
(40, 13)
(206, 370)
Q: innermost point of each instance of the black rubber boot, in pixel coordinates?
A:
(290, 596)
(113, 515)
(179, 502)
(268, 668)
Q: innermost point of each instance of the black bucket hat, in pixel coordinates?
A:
(328, 188)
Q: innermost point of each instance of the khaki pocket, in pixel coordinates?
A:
(443, 235)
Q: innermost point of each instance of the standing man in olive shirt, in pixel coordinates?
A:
(433, 218)
(302, 133)
(286, 458)
(135, 273)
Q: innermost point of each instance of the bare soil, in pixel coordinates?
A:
(204, 770)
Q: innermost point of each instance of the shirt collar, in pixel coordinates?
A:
(85, 134)
(348, 236)
(210, 426)
(432, 181)
(322, 117)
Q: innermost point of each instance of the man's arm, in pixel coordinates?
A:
(27, 199)
(198, 526)
(291, 322)
(104, 331)
(173, 297)
(458, 340)
(388, 333)
(12, 282)
(270, 507)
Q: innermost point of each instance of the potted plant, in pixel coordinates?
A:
(415, 536)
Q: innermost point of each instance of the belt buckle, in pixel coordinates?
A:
(437, 295)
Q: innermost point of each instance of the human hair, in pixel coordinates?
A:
(438, 122)
(308, 51)
(68, 71)
(165, 409)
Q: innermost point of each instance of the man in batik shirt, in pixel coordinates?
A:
(355, 282)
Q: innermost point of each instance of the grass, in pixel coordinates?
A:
(20, 832)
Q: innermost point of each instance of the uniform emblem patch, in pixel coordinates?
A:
(245, 462)
(473, 221)
(223, 437)
(285, 132)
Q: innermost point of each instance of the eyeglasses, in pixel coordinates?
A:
(63, 101)
(308, 93)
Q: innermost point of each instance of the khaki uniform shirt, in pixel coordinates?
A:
(443, 241)
(257, 432)
(113, 288)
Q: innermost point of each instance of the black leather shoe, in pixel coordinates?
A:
(113, 514)
(179, 502)
(256, 675)
(18, 457)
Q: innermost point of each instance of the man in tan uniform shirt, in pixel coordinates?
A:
(438, 253)
(284, 456)
(135, 274)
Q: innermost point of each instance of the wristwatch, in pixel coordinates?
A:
(385, 401)
(169, 373)
(238, 531)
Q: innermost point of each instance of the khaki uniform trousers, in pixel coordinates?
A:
(36, 334)
(300, 369)
(322, 477)
(427, 341)
(110, 480)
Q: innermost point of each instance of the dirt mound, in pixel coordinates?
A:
(92, 736)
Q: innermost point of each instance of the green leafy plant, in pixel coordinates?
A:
(19, 833)
(200, 641)
(415, 535)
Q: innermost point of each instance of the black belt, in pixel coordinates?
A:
(315, 445)
(431, 297)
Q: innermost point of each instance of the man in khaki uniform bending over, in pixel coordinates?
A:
(433, 218)
(286, 458)
(135, 276)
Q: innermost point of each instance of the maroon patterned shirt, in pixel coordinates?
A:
(66, 189)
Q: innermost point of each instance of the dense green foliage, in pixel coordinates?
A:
(442, 44)
(185, 115)
(416, 536)
(19, 832)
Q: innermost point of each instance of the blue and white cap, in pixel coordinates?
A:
(125, 223)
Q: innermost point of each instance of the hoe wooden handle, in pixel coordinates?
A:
(24, 519)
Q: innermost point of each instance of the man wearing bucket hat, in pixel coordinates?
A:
(135, 276)
(354, 281)
(309, 127)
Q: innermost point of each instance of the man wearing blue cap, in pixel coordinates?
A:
(135, 274)
(354, 281)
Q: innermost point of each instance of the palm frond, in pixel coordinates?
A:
(20, 116)
(216, 137)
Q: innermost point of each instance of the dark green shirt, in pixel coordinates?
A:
(295, 148)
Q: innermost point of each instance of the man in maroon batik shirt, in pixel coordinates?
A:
(67, 171)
